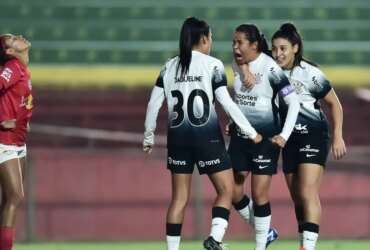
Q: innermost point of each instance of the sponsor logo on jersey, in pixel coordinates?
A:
(308, 148)
(6, 74)
(176, 162)
(262, 167)
(203, 164)
(247, 100)
(302, 129)
(260, 159)
(310, 155)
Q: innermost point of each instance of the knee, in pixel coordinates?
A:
(226, 190)
(260, 196)
(14, 198)
(307, 194)
(180, 202)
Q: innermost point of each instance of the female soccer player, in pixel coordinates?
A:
(190, 83)
(259, 104)
(305, 154)
(15, 114)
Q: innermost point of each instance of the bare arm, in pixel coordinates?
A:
(338, 147)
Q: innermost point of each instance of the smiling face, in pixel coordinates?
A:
(244, 51)
(284, 52)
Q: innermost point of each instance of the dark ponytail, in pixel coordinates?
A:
(3, 47)
(252, 34)
(191, 32)
(289, 32)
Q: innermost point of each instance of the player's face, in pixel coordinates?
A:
(243, 49)
(17, 43)
(284, 52)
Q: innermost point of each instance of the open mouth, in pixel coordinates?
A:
(238, 56)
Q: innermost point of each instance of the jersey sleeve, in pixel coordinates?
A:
(155, 103)
(320, 86)
(218, 78)
(9, 75)
(159, 81)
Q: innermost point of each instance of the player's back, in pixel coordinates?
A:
(190, 99)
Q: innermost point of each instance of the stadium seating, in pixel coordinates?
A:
(85, 31)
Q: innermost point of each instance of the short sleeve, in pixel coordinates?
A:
(319, 85)
(219, 78)
(278, 80)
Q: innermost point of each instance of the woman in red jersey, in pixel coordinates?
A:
(15, 113)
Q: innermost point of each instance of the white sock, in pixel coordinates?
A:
(173, 242)
(247, 213)
(261, 226)
(218, 228)
(300, 238)
(309, 240)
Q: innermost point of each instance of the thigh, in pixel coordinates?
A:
(223, 180)
(181, 186)
(212, 159)
(241, 158)
(310, 176)
(265, 157)
(180, 160)
(11, 177)
(260, 188)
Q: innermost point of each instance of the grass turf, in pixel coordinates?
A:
(190, 245)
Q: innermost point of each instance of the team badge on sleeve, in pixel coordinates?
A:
(6, 74)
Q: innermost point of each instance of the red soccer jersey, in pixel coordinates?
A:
(15, 101)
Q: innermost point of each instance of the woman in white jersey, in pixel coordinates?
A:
(190, 83)
(260, 104)
(305, 154)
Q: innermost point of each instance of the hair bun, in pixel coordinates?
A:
(288, 27)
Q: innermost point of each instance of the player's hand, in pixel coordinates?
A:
(249, 79)
(148, 142)
(278, 140)
(227, 128)
(338, 148)
(257, 139)
(8, 124)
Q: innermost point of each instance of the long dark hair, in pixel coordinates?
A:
(252, 34)
(3, 56)
(289, 32)
(191, 32)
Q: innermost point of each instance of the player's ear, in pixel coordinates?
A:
(295, 48)
(9, 51)
(204, 39)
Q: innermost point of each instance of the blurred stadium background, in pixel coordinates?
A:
(93, 63)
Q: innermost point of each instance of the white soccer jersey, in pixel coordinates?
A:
(260, 104)
(192, 118)
(311, 85)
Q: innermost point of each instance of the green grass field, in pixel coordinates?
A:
(191, 245)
